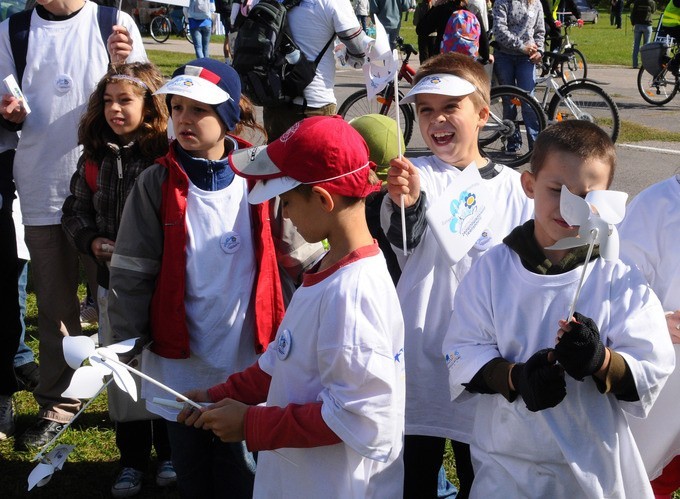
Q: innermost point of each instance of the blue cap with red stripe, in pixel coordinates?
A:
(210, 82)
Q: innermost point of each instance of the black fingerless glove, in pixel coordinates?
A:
(539, 381)
(580, 351)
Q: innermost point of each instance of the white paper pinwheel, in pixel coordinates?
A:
(51, 462)
(382, 63)
(596, 216)
(88, 379)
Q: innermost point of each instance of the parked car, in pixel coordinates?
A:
(587, 12)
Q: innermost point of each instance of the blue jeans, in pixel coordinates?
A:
(201, 38)
(24, 353)
(208, 467)
(641, 32)
(518, 70)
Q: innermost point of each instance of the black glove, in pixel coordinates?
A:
(539, 381)
(580, 350)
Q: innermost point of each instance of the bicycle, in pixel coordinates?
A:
(657, 80)
(575, 66)
(162, 26)
(581, 99)
(513, 112)
(358, 104)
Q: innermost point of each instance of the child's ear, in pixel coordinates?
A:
(324, 197)
(528, 179)
(483, 116)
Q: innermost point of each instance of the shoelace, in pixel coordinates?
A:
(129, 475)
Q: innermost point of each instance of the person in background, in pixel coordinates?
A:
(519, 33)
(388, 13)
(616, 13)
(649, 240)
(123, 131)
(223, 8)
(362, 12)
(199, 14)
(62, 69)
(641, 17)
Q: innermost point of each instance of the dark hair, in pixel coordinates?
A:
(305, 190)
(582, 138)
(464, 67)
(94, 132)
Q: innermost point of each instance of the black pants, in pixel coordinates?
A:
(423, 456)
(134, 440)
(9, 284)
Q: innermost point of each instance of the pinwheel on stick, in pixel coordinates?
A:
(596, 216)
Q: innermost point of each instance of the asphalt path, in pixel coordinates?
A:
(640, 164)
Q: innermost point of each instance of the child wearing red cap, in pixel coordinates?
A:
(191, 262)
(333, 379)
(451, 94)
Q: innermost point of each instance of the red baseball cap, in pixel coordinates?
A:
(321, 150)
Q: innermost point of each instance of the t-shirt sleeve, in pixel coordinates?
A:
(293, 426)
(249, 386)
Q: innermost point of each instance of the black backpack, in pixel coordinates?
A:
(271, 66)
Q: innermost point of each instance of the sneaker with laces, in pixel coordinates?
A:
(27, 376)
(6, 417)
(128, 483)
(88, 314)
(38, 435)
(165, 475)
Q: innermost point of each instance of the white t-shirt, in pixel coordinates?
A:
(426, 290)
(341, 343)
(312, 24)
(65, 61)
(583, 446)
(220, 272)
(650, 238)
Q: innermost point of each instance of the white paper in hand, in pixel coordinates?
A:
(13, 88)
(459, 216)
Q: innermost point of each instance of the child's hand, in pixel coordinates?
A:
(11, 109)
(189, 414)
(119, 44)
(102, 248)
(579, 348)
(225, 419)
(540, 381)
(673, 321)
(403, 178)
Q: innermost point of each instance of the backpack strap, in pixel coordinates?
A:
(325, 47)
(91, 174)
(106, 18)
(19, 25)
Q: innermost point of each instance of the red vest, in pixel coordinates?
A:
(168, 316)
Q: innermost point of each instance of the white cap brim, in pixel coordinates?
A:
(441, 84)
(254, 163)
(268, 189)
(196, 88)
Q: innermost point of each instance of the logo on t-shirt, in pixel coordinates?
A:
(230, 242)
(284, 344)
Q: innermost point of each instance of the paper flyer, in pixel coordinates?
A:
(459, 216)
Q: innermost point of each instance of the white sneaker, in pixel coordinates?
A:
(6, 417)
(165, 475)
(128, 483)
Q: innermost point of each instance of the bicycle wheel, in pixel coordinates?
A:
(515, 118)
(358, 104)
(575, 67)
(187, 32)
(160, 28)
(585, 101)
(659, 89)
